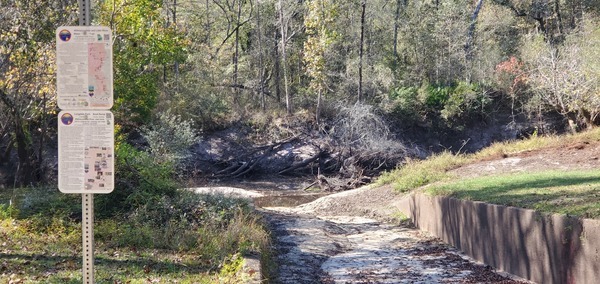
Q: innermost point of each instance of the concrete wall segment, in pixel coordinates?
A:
(541, 248)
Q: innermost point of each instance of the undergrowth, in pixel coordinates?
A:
(185, 237)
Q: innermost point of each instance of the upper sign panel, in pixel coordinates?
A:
(84, 67)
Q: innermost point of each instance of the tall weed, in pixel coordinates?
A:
(214, 226)
(169, 138)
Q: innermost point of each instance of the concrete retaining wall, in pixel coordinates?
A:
(543, 249)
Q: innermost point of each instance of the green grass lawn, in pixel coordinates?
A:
(566, 192)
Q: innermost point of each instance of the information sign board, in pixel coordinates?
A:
(84, 67)
(85, 151)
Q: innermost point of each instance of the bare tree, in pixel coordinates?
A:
(361, 50)
(284, 28)
(566, 78)
(260, 59)
(232, 12)
(471, 34)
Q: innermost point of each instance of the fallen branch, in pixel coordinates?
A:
(230, 168)
(250, 168)
(309, 186)
(301, 164)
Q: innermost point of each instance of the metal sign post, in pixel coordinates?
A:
(87, 233)
(85, 15)
(87, 199)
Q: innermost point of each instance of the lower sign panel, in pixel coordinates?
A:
(86, 152)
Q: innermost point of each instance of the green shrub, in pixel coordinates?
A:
(140, 179)
(179, 223)
(210, 230)
(438, 102)
(215, 227)
(8, 211)
(44, 208)
(43, 211)
(464, 99)
(169, 137)
(147, 176)
(433, 97)
(404, 101)
(231, 266)
(208, 108)
(193, 208)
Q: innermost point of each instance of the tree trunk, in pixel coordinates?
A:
(277, 68)
(164, 67)
(318, 111)
(207, 26)
(576, 13)
(176, 67)
(283, 26)
(40, 155)
(471, 34)
(237, 52)
(4, 158)
(558, 16)
(261, 67)
(25, 168)
(396, 27)
(361, 50)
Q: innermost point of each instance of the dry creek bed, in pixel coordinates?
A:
(347, 238)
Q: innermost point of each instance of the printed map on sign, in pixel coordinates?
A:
(84, 74)
(99, 86)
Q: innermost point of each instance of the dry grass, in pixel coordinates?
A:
(508, 148)
(417, 173)
(567, 192)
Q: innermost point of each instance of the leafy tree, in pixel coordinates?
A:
(496, 39)
(224, 70)
(27, 92)
(143, 43)
(319, 19)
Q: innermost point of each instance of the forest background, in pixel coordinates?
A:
(185, 68)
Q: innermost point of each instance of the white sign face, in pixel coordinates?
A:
(84, 67)
(86, 152)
